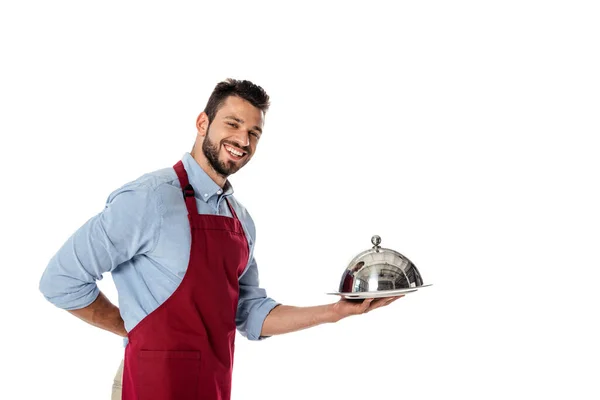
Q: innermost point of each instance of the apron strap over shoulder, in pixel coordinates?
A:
(186, 188)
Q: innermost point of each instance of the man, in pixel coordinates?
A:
(180, 250)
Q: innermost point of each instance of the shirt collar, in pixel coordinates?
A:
(203, 185)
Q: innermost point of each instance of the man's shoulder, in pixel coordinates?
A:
(153, 180)
(147, 183)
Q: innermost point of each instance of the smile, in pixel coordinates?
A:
(235, 152)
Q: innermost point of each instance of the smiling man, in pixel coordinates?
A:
(180, 249)
(229, 137)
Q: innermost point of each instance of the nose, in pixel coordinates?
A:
(242, 139)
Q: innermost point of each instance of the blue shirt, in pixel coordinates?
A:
(143, 238)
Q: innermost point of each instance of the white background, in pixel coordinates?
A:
(464, 133)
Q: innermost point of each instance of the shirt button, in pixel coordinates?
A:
(205, 194)
(219, 191)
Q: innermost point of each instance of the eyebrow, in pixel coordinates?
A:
(241, 121)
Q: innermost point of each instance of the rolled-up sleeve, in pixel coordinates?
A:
(253, 305)
(128, 226)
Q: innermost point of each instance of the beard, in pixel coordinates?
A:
(223, 168)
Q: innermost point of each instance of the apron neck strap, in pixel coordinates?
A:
(188, 191)
(186, 188)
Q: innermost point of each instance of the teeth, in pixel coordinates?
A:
(234, 152)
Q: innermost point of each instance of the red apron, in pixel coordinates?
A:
(184, 349)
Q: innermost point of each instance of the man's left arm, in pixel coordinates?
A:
(259, 316)
(285, 319)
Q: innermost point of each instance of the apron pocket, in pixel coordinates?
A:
(168, 375)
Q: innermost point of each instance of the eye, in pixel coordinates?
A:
(232, 124)
(256, 135)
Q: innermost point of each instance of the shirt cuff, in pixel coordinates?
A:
(257, 318)
(75, 301)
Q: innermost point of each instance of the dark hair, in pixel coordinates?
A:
(247, 90)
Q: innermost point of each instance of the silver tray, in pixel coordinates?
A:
(378, 294)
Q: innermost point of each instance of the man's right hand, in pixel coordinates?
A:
(102, 314)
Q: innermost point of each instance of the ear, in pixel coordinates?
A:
(202, 124)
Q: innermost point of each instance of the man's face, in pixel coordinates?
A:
(232, 136)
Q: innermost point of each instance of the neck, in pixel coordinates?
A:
(206, 167)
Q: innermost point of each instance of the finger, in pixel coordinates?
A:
(366, 304)
(376, 304)
(385, 303)
(392, 299)
(382, 303)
